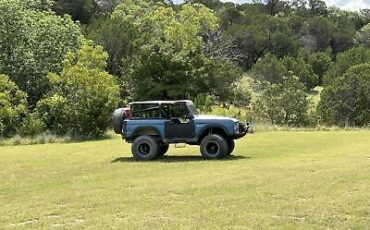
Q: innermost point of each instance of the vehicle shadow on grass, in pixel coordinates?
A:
(178, 159)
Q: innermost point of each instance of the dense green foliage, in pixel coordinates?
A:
(33, 43)
(80, 10)
(347, 100)
(283, 104)
(159, 55)
(82, 96)
(345, 60)
(13, 107)
(197, 50)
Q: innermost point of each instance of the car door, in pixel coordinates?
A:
(179, 126)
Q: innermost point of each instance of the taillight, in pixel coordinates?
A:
(127, 114)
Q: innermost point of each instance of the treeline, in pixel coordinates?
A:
(66, 64)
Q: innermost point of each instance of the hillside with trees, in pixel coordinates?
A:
(66, 65)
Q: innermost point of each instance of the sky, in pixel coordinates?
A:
(352, 5)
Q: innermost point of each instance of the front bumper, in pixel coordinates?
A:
(243, 130)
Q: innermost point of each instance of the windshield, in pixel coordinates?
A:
(192, 109)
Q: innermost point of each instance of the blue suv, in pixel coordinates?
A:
(152, 125)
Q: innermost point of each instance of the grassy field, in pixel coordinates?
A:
(275, 180)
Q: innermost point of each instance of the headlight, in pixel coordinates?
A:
(236, 127)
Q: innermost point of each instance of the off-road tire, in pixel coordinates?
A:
(230, 145)
(163, 149)
(117, 120)
(213, 146)
(145, 148)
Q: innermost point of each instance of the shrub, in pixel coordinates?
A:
(52, 112)
(272, 70)
(33, 42)
(269, 68)
(283, 104)
(344, 61)
(242, 94)
(82, 97)
(204, 103)
(13, 107)
(346, 101)
(302, 70)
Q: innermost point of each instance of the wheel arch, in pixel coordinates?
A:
(214, 129)
(145, 131)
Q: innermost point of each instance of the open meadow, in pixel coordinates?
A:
(275, 180)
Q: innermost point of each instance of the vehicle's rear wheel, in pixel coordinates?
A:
(213, 147)
(163, 149)
(145, 148)
(231, 146)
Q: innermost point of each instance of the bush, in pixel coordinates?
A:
(52, 112)
(242, 94)
(242, 114)
(33, 42)
(269, 68)
(347, 100)
(82, 97)
(320, 63)
(272, 70)
(204, 103)
(344, 61)
(13, 107)
(302, 70)
(283, 104)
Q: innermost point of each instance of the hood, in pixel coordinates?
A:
(213, 118)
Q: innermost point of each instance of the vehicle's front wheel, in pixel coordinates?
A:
(213, 147)
(145, 148)
(231, 146)
(163, 149)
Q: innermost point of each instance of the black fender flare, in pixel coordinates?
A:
(203, 130)
(146, 130)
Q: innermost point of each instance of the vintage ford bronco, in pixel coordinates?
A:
(152, 125)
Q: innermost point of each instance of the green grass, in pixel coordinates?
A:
(48, 138)
(276, 180)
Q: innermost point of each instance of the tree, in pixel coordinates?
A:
(300, 68)
(219, 79)
(346, 23)
(274, 6)
(32, 44)
(122, 34)
(212, 4)
(242, 95)
(43, 5)
(13, 107)
(168, 60)
(318, 8)
(283, 104)
(272, 70)
(80, 10)
(345, 60)
(117, 35)
(259, 35)
(346, 101)
(363, 36)
(82, 96)
(342, 40)
(321, 29)
(320, 63)
(269, 68)
(300, 7)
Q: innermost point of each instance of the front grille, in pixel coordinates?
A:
(241, 128)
